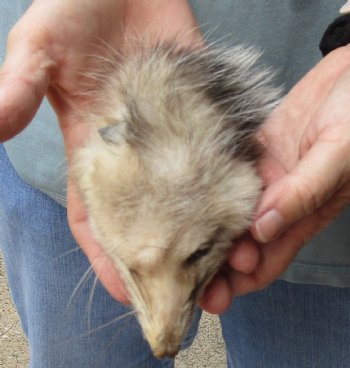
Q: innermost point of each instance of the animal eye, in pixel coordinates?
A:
(198, 254)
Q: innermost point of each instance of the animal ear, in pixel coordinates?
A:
(114, 133)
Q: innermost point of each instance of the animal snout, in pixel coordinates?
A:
(166, 345)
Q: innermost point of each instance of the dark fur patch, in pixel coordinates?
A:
(138, 127)
(234, 97)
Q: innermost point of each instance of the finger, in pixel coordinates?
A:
(217, 297)
(244, 256)
(101, 263)
(299, 193)
(277, 255)
(24, 79)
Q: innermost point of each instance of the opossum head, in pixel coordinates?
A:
(169, 179)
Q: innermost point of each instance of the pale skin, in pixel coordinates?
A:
(310, 161)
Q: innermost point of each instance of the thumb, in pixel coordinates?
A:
(300, 192)
(24, 79)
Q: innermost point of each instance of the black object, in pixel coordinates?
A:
(337, 34)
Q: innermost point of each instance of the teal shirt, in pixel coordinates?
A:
(288, 32)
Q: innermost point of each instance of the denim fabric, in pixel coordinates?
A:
(70, 320)
(289, 326)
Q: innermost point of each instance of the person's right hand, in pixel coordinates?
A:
(49, 50)
(306, 175)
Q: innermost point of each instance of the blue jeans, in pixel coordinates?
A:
(72, 322)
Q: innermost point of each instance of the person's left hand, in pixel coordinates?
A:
(306, 173)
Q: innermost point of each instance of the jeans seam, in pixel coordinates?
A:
(322, 268)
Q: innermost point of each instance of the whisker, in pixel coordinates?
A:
(76, 249)
(83, 280)
(117, 319)
(89, 303)
(68, 340)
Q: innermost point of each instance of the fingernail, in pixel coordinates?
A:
(269, 226)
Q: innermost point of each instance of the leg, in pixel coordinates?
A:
(70, 320)
(289, 326)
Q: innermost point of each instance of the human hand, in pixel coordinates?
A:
(48, 51)
(306, 173)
